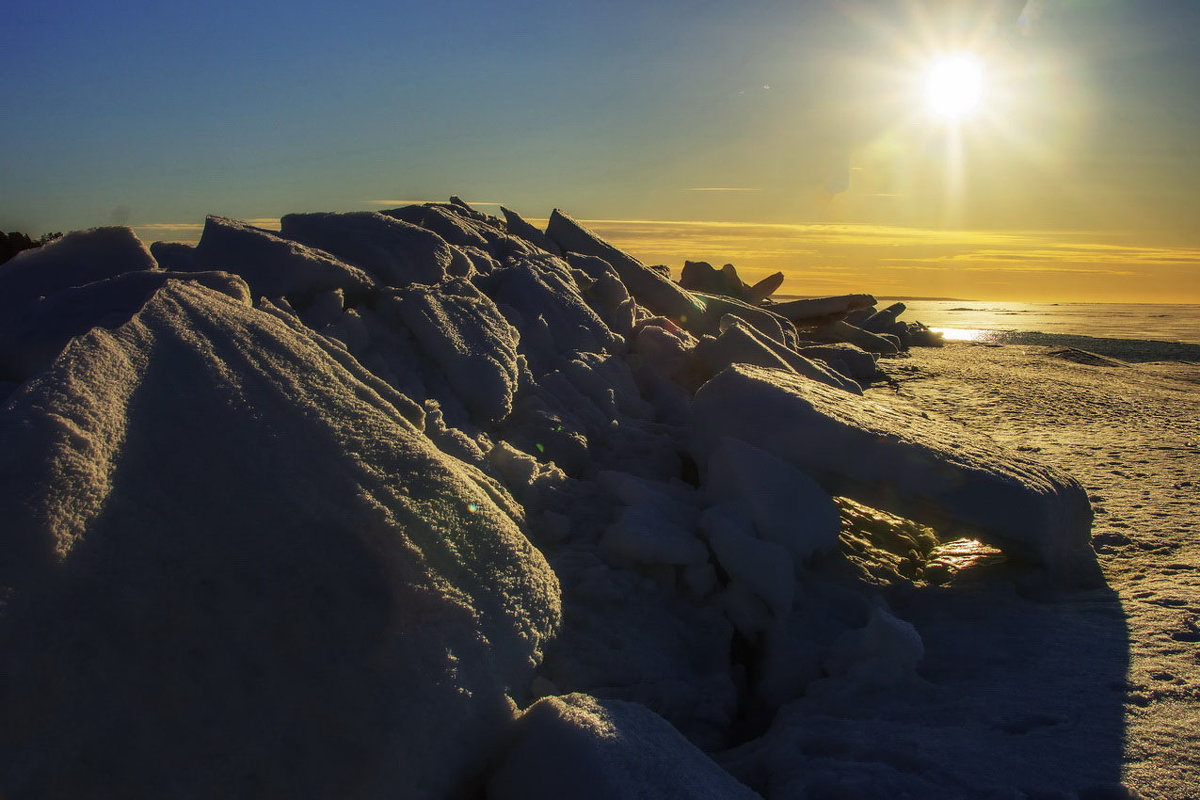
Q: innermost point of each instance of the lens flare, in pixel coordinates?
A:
(954, 86)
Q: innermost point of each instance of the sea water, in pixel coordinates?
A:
(1166, 323)
(1130, 331)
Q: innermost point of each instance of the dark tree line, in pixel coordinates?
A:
(15, 241)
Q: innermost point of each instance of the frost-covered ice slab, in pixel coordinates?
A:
(901, 460)
(451, 225)
(739, 343)
(842, 331)
(765, 321)
(697, 312)
(79, 257)
(518, 226)
(587, 749)
(539, 297)
(463, 333)
(397, 253)
(231, 566)
(788, 507)
(818, 307)
(272, 265)
(844, 358)
(648, 287)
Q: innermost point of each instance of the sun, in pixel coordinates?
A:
(954, 86)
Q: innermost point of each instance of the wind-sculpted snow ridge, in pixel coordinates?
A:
(323, 513)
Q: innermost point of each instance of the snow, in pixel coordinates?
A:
(174, 255)
(271, 264)
(760, 566)
(817, 308)
(579, 747)
(342, 605)
(542, 299)
(841, 331)
(607, 295)
(75, 259)
(903, 461)
(765, 321)
(646, 535)
(787, 506)
(32, 337)
(738, 343)
(337, 542)
(884, 653)
(518, 226)
(630, 636)
(648, 287)
(843, 358)
(452, 224)
(396, 253)
(463, 332)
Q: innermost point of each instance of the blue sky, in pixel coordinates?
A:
(156, 114)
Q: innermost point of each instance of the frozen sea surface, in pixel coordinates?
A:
(1107, 681)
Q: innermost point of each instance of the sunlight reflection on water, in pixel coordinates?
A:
(950, 558)
(963, 334)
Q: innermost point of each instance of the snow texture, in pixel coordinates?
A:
(75, 259)
(32, 337)
(396, 253)
(518, 226)
(462, 331)
(541, 298)
(647, 286)
(843, 358)
(179, 587)
(579, 747)
(461, 228)
(738, 343)
(272, 265)
(271, 516)
(787, 506)
(928, 469)
(608, 296)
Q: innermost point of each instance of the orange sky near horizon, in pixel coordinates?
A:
(892, 260)
(1032, 266)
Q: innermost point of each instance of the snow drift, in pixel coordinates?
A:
(324, 512)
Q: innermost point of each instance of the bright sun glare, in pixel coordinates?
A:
(954, 86)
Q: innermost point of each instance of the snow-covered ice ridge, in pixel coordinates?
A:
(427, 503)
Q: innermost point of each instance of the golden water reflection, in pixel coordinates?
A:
(963, 334)
(950, 558)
